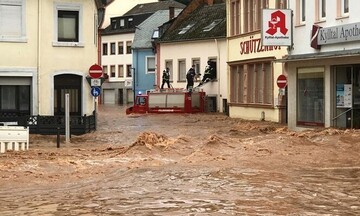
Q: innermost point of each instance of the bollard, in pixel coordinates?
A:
(58, 138)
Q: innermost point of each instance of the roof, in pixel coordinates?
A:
(205, 22)
(154, 6)
(143, 34)
(125, 24)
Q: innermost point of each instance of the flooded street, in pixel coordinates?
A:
(184, 164)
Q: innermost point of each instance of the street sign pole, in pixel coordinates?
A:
(67, 118)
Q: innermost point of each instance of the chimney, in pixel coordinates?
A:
(171, 12)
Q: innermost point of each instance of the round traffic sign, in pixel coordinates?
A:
(95, 71)
(281, 81)
(95, 91)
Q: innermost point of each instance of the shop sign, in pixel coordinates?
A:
(339, 34)
(254, 45)
(276, 27)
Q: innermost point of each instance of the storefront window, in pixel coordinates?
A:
(310, 93)
(252, 84)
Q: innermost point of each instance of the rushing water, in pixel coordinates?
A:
(196, 191)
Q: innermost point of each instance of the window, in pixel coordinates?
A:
(214, 66)
(114, 24)
(15, 98)
(196, 62)
(212, 25)
(105, 70)
(112, 71)
(68, 24)
(310, 96)
(12, 20)
(235, 17)
(342, 8)
(105, 49)
(128, 47)
(169, 64)
(186, 28)
(128, 71)
(112, 48)
(182, 70)
(345, 7)
(321, 10)
(120, 71)
(300, 10)
(150, 64)
(120, 48)
(251, 84)
(252, 14)
(281, 4)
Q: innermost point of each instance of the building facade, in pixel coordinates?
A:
(323, 66)
(47, 48)
(118, 53)
(196, 36)
(253, 67)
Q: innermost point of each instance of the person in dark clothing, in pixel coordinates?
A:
(190, 78)
(208, 74)
(166, 78)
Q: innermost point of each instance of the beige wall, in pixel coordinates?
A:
(39, 58)
(255, 52)
(72, 59)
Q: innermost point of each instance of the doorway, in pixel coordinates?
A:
(347, 96)
(67, 84)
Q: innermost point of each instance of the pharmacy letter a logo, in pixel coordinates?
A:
(277, 23)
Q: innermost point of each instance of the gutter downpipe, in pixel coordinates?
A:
(218, 75)
(38, 56)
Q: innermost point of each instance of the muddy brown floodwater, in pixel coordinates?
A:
(184, 164)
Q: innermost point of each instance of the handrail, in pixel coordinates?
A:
(342, 114)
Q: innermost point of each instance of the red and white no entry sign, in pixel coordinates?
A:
(95, 71)
(281, 81)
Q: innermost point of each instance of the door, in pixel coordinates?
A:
(347, 97)
(67, 84)
(109, 96)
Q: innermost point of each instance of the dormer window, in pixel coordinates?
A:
(114, 24)
(130, 22)
(155, 34)
(185, 29)
(122, 23)
(212, 25)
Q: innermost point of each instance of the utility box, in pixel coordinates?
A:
(14, 138)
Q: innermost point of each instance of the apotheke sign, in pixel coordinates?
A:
(339, 34)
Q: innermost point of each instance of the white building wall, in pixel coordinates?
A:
(302, 38)
(204, 50)
(117, 59)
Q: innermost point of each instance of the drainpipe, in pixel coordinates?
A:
(218, 70)
(38, 56)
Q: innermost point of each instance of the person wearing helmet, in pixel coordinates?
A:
(190, 78)
(166, 78)
(208, 74)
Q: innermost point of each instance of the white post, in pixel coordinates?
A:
(67, 119)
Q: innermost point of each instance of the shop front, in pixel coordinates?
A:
(324, 91)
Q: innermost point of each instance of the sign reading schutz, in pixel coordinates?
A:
(339, 34)
(276, 27)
